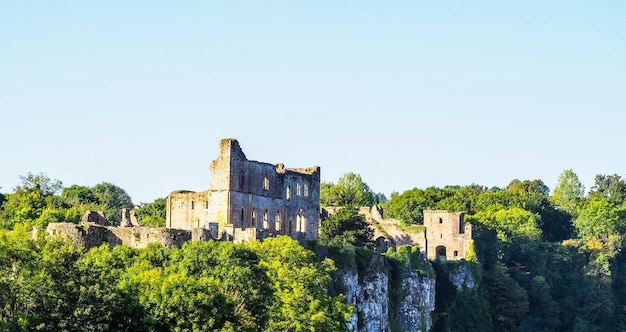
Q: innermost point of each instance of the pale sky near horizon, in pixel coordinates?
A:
(405, 93)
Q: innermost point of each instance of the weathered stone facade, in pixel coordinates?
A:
(448, 237)
(250, 200)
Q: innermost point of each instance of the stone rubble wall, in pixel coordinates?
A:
(89, 235)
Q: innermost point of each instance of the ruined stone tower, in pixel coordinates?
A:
(447, 235)
(250, 200)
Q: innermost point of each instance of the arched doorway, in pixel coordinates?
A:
(441, 253)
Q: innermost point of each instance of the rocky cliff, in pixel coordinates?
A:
(389, 293)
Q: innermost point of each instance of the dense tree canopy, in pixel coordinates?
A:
(275, 285)
(410, 205)
(36, 202)
(350, 190)
(32, 203)
(601, 217)
(611, 187)
(542, 263)
(346, 226)
(113, 199)
(153, 214)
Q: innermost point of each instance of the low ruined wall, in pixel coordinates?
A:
(91, 235)
(66, 229)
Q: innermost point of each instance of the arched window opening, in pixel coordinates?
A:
(266, 183)
(440, 220)
(253, 219)
(289, 229)
(265, 220)
(298, 189)
(192, 205)
(277, 221)
(288, 193)
(242, 214)
(306, 190)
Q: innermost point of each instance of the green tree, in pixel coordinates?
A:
(600, 217)
(38, 183)
(112, 199)
(529, 186)
(410, 205)
(346, 226)
(509, 301)
(301, 288)
(569, 192)
(611, 187)
(513, 226)
(350, 190)
(153, 214)
(530, 196)
(328, 194)
(462, 200)
(203, 286)
(33, 196)
(43, 286)
(78, 195)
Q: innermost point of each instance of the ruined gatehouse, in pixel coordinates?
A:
(447, 235)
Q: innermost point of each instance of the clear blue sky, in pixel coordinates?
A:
(406, 93)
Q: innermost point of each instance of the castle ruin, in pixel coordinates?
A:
(447, 235)
(249, 200)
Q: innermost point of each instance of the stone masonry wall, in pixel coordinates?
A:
(448, 231)
(91, 235)
(187, 210)
(270, 199)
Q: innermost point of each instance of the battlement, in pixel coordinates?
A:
(438, 212)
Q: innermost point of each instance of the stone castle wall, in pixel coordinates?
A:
(89, 235)
(187, 210)
(246, 194)
(447, 235)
